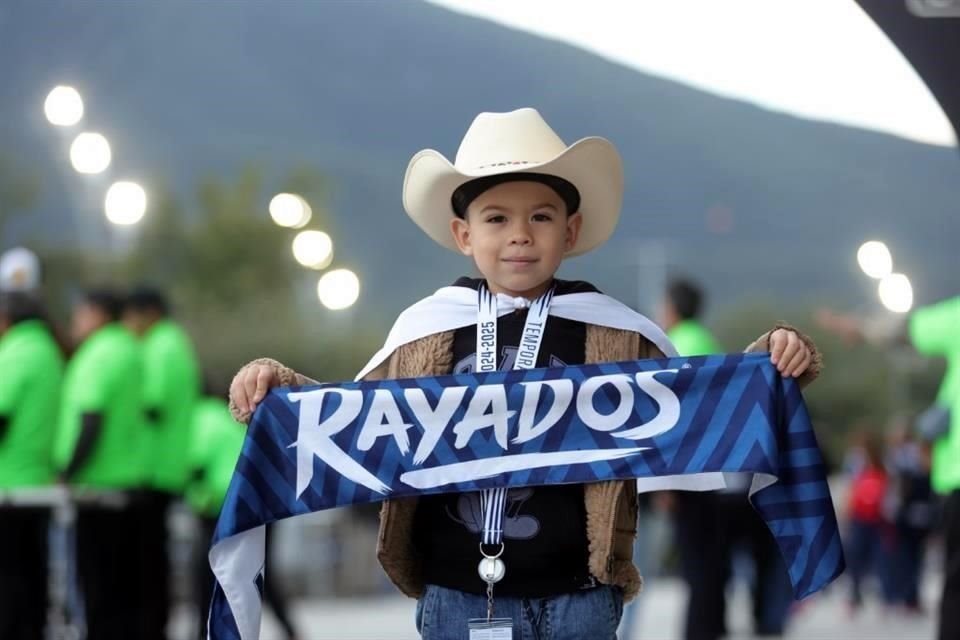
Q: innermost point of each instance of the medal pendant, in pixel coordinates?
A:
(492, 570)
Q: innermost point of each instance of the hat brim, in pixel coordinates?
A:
(592, 165)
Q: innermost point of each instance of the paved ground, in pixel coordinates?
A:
(823, 617)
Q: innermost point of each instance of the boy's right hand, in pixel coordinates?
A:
(251, 385)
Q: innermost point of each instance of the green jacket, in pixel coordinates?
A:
(105, 376)
(171, 386)
(31, 375)
(215, 443)
(935, 331)
(691, 338)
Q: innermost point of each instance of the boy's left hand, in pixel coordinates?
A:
(789, 353)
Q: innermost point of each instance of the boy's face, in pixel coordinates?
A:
(517, 234)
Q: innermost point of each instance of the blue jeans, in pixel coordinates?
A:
(442, 614)
(863, 548)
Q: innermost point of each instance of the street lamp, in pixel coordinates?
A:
(290, 210)
(63, 106)
(896, 296)
(874, 259)
(338, 289)
(90, 153)
(125, 203)
(896, 293)
(313, 249)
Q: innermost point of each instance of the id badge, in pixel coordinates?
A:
(495, 629)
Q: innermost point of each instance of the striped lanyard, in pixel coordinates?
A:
(493, 501)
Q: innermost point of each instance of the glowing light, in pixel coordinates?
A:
(874, 259)
(338, 289)
(63, 106)
(125, 204)
(290, 210)
(896, 293)
(90, 153)
(313, 249)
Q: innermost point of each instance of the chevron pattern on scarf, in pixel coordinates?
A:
(331, 445)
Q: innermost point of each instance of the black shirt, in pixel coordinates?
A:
(545, 540)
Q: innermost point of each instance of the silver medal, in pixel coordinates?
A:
(491, 570)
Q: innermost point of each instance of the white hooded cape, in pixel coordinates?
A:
(455, 307)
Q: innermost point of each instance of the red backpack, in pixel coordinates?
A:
(867, 494)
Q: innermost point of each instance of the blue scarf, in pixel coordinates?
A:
(330, 445)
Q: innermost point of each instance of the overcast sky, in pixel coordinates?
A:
(821, 59)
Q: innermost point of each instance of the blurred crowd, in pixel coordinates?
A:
(110, 408)
(885, 498)
(890, 512)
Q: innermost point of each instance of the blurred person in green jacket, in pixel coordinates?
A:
(171, 386)
(99, 446)
(32, 374)
(935, 331)
(680, 314)
(711, 527)
(697, 515)
(215, 443)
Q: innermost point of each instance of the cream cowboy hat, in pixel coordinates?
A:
(517, 141)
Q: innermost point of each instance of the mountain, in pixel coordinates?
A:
(751, 202)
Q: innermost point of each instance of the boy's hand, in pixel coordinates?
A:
(789, 353)
(251, 385)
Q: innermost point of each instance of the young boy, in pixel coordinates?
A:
(517, 201)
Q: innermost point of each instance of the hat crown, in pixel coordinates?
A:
(511, 139)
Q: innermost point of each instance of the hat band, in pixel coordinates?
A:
(470, 191)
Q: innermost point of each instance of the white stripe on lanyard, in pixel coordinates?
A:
(494, 501)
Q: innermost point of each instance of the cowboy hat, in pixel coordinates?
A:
(517, 141)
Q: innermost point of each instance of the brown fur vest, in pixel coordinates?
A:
(611, 507)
